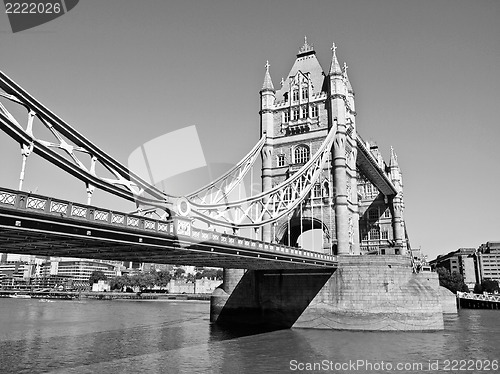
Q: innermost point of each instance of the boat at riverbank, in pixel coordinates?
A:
(20, 296)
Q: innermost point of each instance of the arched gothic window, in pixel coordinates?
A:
(305, 93)
(301, 154)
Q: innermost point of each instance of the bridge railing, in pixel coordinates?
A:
(183, 228)
(57, 207)
(482, 297)
(180, 228)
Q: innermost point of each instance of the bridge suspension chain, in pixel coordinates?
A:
(73, 145)
(269, 206)
(221, 188)
(126, 184)
(208, 204)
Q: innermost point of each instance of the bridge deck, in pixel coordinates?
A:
(38, 225)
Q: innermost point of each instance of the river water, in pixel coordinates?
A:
(176, 337)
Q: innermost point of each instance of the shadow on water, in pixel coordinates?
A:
(222, 332)
(272, 299)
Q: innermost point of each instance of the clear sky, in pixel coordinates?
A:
(426, 76)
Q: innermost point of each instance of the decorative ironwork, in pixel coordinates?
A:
(183, 228)
(220, 189)
(75, 149)
(269, 206)
(78, 211)
(479, 297)
(7, 198)
(133, 221)
(164, 227)
(117, 218)
(35, 203)
(101, 216)
(149, 225)
(57, 207)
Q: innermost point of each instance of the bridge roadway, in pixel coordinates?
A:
(46, 226)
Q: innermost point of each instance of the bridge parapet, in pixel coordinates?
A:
(42, 204)
(177, 228)
(184, 228)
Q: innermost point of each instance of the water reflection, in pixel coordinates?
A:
(165, 337)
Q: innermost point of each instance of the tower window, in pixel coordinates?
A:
(286, 116)
(374, 233)
(295, 95)
(305, 93)
(295, 114)
(303, 111)
(385, 235)
(281, 160)
(314, 111)
(369, 190)
(387, 213)
(373, 214)
(326, 188)
(301, 154)
(317, 190)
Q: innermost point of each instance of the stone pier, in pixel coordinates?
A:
(364, 293)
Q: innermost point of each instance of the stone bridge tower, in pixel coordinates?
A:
(356, 217)
(296, 119)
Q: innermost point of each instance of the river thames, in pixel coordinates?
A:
(93, 336)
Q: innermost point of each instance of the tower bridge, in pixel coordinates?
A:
(317, 174)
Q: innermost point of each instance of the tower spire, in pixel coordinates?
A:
(394, 159)
(268, 82)
(346, 77)
(335, 66)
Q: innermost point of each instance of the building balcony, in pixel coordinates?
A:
(299, 126)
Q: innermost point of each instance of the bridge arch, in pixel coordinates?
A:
(289, 232)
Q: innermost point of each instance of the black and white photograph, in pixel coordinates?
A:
(237, 186)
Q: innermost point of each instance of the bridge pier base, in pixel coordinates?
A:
(364, 293)
(231, 278)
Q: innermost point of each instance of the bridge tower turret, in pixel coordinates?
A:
(397, 204)
(267, 99)
(341, 97)
(352, 175)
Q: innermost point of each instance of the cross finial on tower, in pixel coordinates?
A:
(282, 81)
(345, 69)
(335, 66)
(268, 83)
(334, 47)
